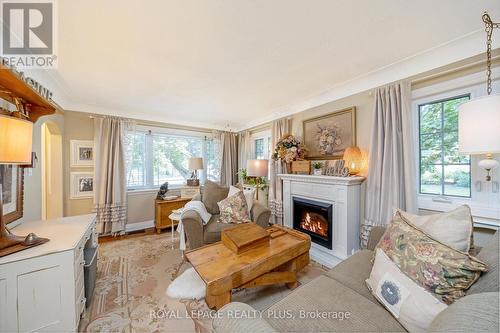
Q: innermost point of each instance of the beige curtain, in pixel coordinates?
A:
(243, 150)
(110, 185)
(229, 158)
(279, 128)
(391, 177)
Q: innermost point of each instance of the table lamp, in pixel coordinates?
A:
(478, 119)
(194, 164)
(15, 148)
(257, 169)
(353, 160)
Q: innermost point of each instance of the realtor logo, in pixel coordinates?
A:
(28, 33)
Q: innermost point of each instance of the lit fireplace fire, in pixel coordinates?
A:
(314, 223)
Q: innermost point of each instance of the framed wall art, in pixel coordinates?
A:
(12, 180)
(326, 137)
(82, 185)
(82, 153)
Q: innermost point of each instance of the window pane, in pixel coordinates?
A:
(430, 179)
(135, 151)
(430, 148)
(430, 118)
(450, 149)
(170, 157)
(439, 146)
(457, 180)
(212, 160)
(450, 115)
(259, 149)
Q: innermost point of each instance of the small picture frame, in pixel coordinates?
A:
(82, 153)
(82, 185)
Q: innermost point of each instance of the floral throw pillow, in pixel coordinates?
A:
(234, 209)
(438, 268)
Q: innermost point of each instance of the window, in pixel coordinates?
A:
(259, 148)
(156, 157)
(261, 145)
(443, 171)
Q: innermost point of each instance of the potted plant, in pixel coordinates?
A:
(317, 168)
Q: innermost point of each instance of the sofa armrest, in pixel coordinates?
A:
(260, 214)
(375, 234)
(239, 317)
(193, 228)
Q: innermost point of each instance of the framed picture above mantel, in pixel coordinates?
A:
(327, 137)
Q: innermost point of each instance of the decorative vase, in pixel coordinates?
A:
(317, 172)
(289, 167)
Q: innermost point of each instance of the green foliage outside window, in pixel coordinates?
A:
(443, 170)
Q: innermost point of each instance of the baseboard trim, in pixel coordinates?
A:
(139, 226)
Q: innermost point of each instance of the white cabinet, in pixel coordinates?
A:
(42, 289)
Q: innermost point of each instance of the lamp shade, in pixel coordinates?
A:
(353, 159)
(195, 163)
(257, 168)
(16, 137)
(478, 126)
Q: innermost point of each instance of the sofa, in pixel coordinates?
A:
(339, 301)
(198, 234)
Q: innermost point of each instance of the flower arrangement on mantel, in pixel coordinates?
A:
(289, 149)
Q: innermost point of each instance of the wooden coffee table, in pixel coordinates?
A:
(273, 263)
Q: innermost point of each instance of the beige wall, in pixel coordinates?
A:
(77, 126)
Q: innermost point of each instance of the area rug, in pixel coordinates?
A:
(132, 277)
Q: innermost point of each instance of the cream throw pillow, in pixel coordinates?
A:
(413, 306)
(453, 228)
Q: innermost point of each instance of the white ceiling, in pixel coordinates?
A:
(237, 62)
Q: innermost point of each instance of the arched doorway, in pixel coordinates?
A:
(52, 171)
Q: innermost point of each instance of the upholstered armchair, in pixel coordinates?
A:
(198, 234)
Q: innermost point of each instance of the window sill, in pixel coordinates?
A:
(141, 191)
(482, 214)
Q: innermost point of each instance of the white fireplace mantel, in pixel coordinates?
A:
(344, 193)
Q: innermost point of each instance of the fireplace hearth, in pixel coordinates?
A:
(315, 219)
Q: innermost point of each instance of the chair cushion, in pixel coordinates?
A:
(489, 281)
(472, 313)
(212, 194)
(353, 272)
(212, 230)
(339, 309)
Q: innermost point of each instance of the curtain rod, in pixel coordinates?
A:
(419, 80)
(158, 124)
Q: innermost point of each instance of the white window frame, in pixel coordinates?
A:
(148, 162)
(484, 204)
(264, 134)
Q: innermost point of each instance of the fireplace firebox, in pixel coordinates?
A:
(315, 219)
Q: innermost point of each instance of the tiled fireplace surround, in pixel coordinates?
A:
(344, 194)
